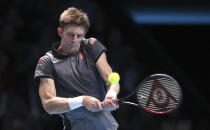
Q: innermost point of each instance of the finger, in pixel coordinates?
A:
(113, 103)
(92, 107)
(99, 106)
(96, 106)
(106, 103)
(111, 97)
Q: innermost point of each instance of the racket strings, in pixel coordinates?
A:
(170, 86)
(158, 94)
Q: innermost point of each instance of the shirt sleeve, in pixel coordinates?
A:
(44, 69)
(96, 48)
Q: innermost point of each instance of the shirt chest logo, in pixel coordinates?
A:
(82, 56)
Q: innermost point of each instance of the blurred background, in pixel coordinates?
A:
(142, 37)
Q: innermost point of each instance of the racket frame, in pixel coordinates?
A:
(123, 100)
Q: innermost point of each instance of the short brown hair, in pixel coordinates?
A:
(74, 16)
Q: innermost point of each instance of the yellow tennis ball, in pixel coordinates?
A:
(114, 78)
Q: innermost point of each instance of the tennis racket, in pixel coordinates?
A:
(158, 94)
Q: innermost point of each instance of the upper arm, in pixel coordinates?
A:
(44, 68)
(46, 90)
(104, 68)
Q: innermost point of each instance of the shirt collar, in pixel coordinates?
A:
(57, 53)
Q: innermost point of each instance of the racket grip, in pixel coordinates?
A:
(116, 101)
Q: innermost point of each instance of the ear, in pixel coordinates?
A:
(60, 31)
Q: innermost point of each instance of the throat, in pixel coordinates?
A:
(67, 50)
(60, 49)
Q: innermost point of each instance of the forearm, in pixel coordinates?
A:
(113, 89)
(112, 92)
(56, 105)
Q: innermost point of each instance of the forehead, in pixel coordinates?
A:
(74, 28)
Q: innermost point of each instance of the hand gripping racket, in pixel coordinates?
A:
(158, 94)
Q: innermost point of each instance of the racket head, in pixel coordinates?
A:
(159, 94)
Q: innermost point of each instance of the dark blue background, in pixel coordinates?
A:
(142, 38)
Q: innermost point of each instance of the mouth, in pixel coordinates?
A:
(73, 44)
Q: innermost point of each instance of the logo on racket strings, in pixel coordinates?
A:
(159, 96)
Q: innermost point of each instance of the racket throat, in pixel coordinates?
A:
(128, 103)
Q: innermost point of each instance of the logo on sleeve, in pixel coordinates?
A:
(40, 61)
(92, 41)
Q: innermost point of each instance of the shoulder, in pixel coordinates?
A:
(93, 44)
(46, 58)
(90, 41)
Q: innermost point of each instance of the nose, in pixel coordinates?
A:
(74, 38)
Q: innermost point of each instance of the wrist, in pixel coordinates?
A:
(75, 103)
(111, 93)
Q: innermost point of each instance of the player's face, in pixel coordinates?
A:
(71, 36)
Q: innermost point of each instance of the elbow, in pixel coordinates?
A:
(48, 108)
(50, 112)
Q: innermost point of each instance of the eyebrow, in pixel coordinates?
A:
(75, 33)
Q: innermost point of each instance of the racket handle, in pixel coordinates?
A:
(120, 101)
(116, 101)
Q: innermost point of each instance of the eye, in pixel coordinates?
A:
(79, 35)
(71, 34)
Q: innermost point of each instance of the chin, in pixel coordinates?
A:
(73, 50)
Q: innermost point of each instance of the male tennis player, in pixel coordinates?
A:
(73, 77)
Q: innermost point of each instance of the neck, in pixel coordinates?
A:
(62, 50)
(67, 50)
